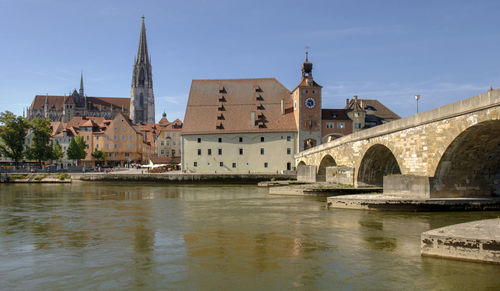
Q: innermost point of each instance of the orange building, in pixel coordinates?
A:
(121, 142)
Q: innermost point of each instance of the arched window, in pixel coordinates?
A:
(141, 77)
(141, 99)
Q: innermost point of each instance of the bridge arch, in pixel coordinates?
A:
(301, 163)
(378, 161)
(470, 165)
(326, 161)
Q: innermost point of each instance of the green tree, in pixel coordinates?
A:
(40, 149)
(99, 155)
(57, 152)
(12, 135)
(76, 149)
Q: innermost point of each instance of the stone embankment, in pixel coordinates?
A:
(405, 203)
(472, 241)
(186, 178)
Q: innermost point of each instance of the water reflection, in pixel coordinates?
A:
(147, 236)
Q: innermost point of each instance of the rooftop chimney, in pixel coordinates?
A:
(282, 107)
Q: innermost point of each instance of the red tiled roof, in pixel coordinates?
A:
(378, 109)
(100, 103)
(163, 120)
(205, 104)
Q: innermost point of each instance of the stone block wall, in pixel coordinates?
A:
(340, 175)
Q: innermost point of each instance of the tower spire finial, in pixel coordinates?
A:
(81, 84)
(307, 53)
(142, 51)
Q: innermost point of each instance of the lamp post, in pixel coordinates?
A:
(416, 98)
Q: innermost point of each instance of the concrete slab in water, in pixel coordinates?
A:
(385, 202)
(474, 241)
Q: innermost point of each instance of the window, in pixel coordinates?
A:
(261, 139)
(162, 152)
(115, 146)
(114, 137)
(199, 139)
(261, 151)
(130, 137)
(107, 146)
(220, 139)
(241, 152)
(123, 137)
(168, 142)
(97, 138)
(288, 138)
(123, 128)
(195, 164)
(220, 151)
(221, 164)
(167, 152)
(209, 152)
(357, 125)
(130, 146)
(330, 125)
(314, 91)
(116, 128)
(127, 154)
(199, 152)
(173, 152)
(173, 134)
(241, 139)
(340, 125)
(107, 137)
(173, 143)
(288, 151)
(97, 146)
(234, 165)
(162, 143)
(87, 137)
(265, 165)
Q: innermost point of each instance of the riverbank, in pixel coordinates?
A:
(183, 177)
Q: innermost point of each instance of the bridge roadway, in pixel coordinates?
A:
(450, 151)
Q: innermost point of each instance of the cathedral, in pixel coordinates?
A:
(140, 107)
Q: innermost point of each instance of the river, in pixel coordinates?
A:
(108, 236)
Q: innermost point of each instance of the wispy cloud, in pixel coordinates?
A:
(359, 30)
(179, 99)
(399, 96)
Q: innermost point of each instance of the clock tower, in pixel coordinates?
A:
(307, 108)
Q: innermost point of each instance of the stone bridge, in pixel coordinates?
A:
(450, 151)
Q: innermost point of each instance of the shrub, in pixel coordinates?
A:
(40, 177)
(64, 176)
(18, 177)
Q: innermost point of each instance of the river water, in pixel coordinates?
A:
(108, 236)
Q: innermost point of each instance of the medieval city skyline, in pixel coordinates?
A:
(390, 56)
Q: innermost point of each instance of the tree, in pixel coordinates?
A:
(12, 135)
(40, 149)
(76, 149)
(57, 152)
(99, 155)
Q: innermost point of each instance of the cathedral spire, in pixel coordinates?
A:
(142, 104)
(142, 51)
(81, 84)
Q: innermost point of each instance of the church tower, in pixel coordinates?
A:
(307, 108)
(142, 102)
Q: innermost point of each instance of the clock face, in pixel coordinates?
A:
(310, 102)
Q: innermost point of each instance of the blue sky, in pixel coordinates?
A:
(387, 50)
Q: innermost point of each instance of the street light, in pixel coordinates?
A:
(416, 98)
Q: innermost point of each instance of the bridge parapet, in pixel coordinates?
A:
(469, 105)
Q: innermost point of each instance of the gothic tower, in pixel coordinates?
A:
(307, 108)
(142, 102)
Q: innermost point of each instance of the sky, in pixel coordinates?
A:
(444, 51)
